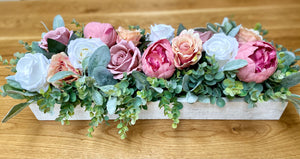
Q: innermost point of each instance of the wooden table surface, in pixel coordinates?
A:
(25, 137)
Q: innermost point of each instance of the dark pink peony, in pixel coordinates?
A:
(104, 31)
(60, 34)
(158, 60)
(125, 57)
(262, 61)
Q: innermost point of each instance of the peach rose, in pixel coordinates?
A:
(129, 35)
(187, 48)
(61, 62)
(248, 35)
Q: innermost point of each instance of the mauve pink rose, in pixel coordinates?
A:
(60, 34)
(158, 60)
(187, 48)
(125, 57)
(104, 31)
(204, 36)
(262, 61)
(129, 35)
(247, 35)
(60, 62)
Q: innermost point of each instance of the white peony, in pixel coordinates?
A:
(161, 31)
(223, 47)
(32, 71)
(80, 48)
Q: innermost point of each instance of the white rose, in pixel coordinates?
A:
(225, 48)
(80, 48)
(32, 70)
(161, 31)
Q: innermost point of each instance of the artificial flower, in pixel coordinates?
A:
(61, 62)
(187, 48)
(125, 57)
(104, 31)
(158, 60)
(161, 31)
(81, 48)
(60, 34)
(32, 72)
(129, 35)
(262, 61)
(223, 47)
(248, 35)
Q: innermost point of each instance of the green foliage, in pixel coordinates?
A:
(235, 64)
(227, 27)
(15, 110)
(180, 29)
(79, 31)
(58, 22)
(55, 47)
(60, 75)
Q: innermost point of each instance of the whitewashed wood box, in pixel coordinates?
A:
(235, 109)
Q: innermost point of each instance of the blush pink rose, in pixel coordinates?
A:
(129, 35)
(158, 60)
(104, 31)
(187, 48)
(60, 62)
(125, 57)
(247, 35)
(60, 34)
(262, 61)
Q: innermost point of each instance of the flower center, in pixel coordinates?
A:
(263, 58)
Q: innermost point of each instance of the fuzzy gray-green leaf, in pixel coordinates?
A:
(58, 22)
(191, 98)
(111, 105)
(14, 111)
(100, 57)
(235, 64)
(103, 76)
(61, 75)
(291, 80)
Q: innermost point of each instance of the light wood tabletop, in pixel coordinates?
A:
(25, 137)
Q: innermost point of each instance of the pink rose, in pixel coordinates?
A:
(104, 31)
(204, 36)
(158, 60)
(61, 62)
(262, 61)
(129, 35)
(247, 35)
(125, 57)
(60, 34)
(187, 48)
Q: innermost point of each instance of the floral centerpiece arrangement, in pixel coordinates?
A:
(117, 71)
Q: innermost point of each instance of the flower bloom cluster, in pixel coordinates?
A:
(164, 54)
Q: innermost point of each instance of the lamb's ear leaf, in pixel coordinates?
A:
(15, 110)
(58, 21)
(291, 80)
(100, 57)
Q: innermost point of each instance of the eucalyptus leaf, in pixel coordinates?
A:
(58, 22)
(220, 102)
(291, 80)
(212, 27)
(15, 110)
(111, 105)
(100, 57)
(140, 80)
(180, 29)
(103, 76)
(235, 64)
(234, 31)
(60, 75)
(157, 89)
(204, 99)
(185, 83)
(97, 98)
(109, 90)
(36, 48)
(191, 98)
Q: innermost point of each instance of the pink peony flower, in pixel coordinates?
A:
(247, 35)
(60, 34)
(262, 61)
(125, 57)
(187, 48)
(104, 31)
(61, 62)
(158, 60)
(129, 35)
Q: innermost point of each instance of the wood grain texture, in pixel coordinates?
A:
(25, 137)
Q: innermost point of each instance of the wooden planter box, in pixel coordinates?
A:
(235, 109)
